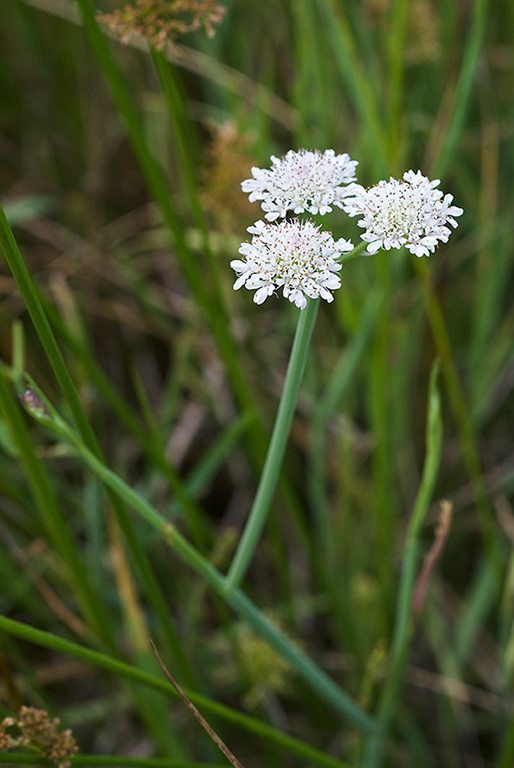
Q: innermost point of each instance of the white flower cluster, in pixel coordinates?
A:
(292, 255)
(297, 256)
(301, 181)
(410, 213)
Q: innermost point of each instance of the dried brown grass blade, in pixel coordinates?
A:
(203, 722)
(433, 555)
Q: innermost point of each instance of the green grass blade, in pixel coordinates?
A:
(158, 683)
(396, 43)
(464, 88)
(461, 413)
(47, 338)
(403, 629)
(355, 78)
(92, 608)
(310, 672)
(13, 758)
(28, 291)
(197, 281)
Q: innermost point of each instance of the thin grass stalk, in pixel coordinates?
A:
(149, 441)
(129, 672)
(35, 309)
(462, 416)
(403, 629)
(196, 523)
(464, 88)
(18, 355)
(197, 280)
(220, 329)
(91, 606)
(438, 327)
(506, 752)
(53, 353)
(460, 408)
(396, 43)
(17, 758)
(462, 98)
(183, 133)
(353, 74)
(311, 673)
(311, 82)
(272, 466)
(490, 277)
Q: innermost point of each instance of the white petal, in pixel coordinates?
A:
(343, 245)
(241, 280)
(374, 246)
(239, 266)
(261, 295)
(325, 294)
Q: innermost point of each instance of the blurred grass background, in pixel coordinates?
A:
(130, 243)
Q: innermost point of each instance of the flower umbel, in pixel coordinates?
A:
(292, 255)
(301, 181)
(34, 729)
(410, 213)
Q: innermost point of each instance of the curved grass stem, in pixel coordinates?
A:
(318, 680)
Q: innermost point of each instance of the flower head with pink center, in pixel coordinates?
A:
(410, 213)
(301, 181)
(293, 255)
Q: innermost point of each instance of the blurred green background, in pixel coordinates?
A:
(126, 204)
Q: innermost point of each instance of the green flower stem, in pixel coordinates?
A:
(210, 301)
(276, 450)
(384, 506)
(356, 251)
(315, 677)
(127, 671)
(403, 629)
